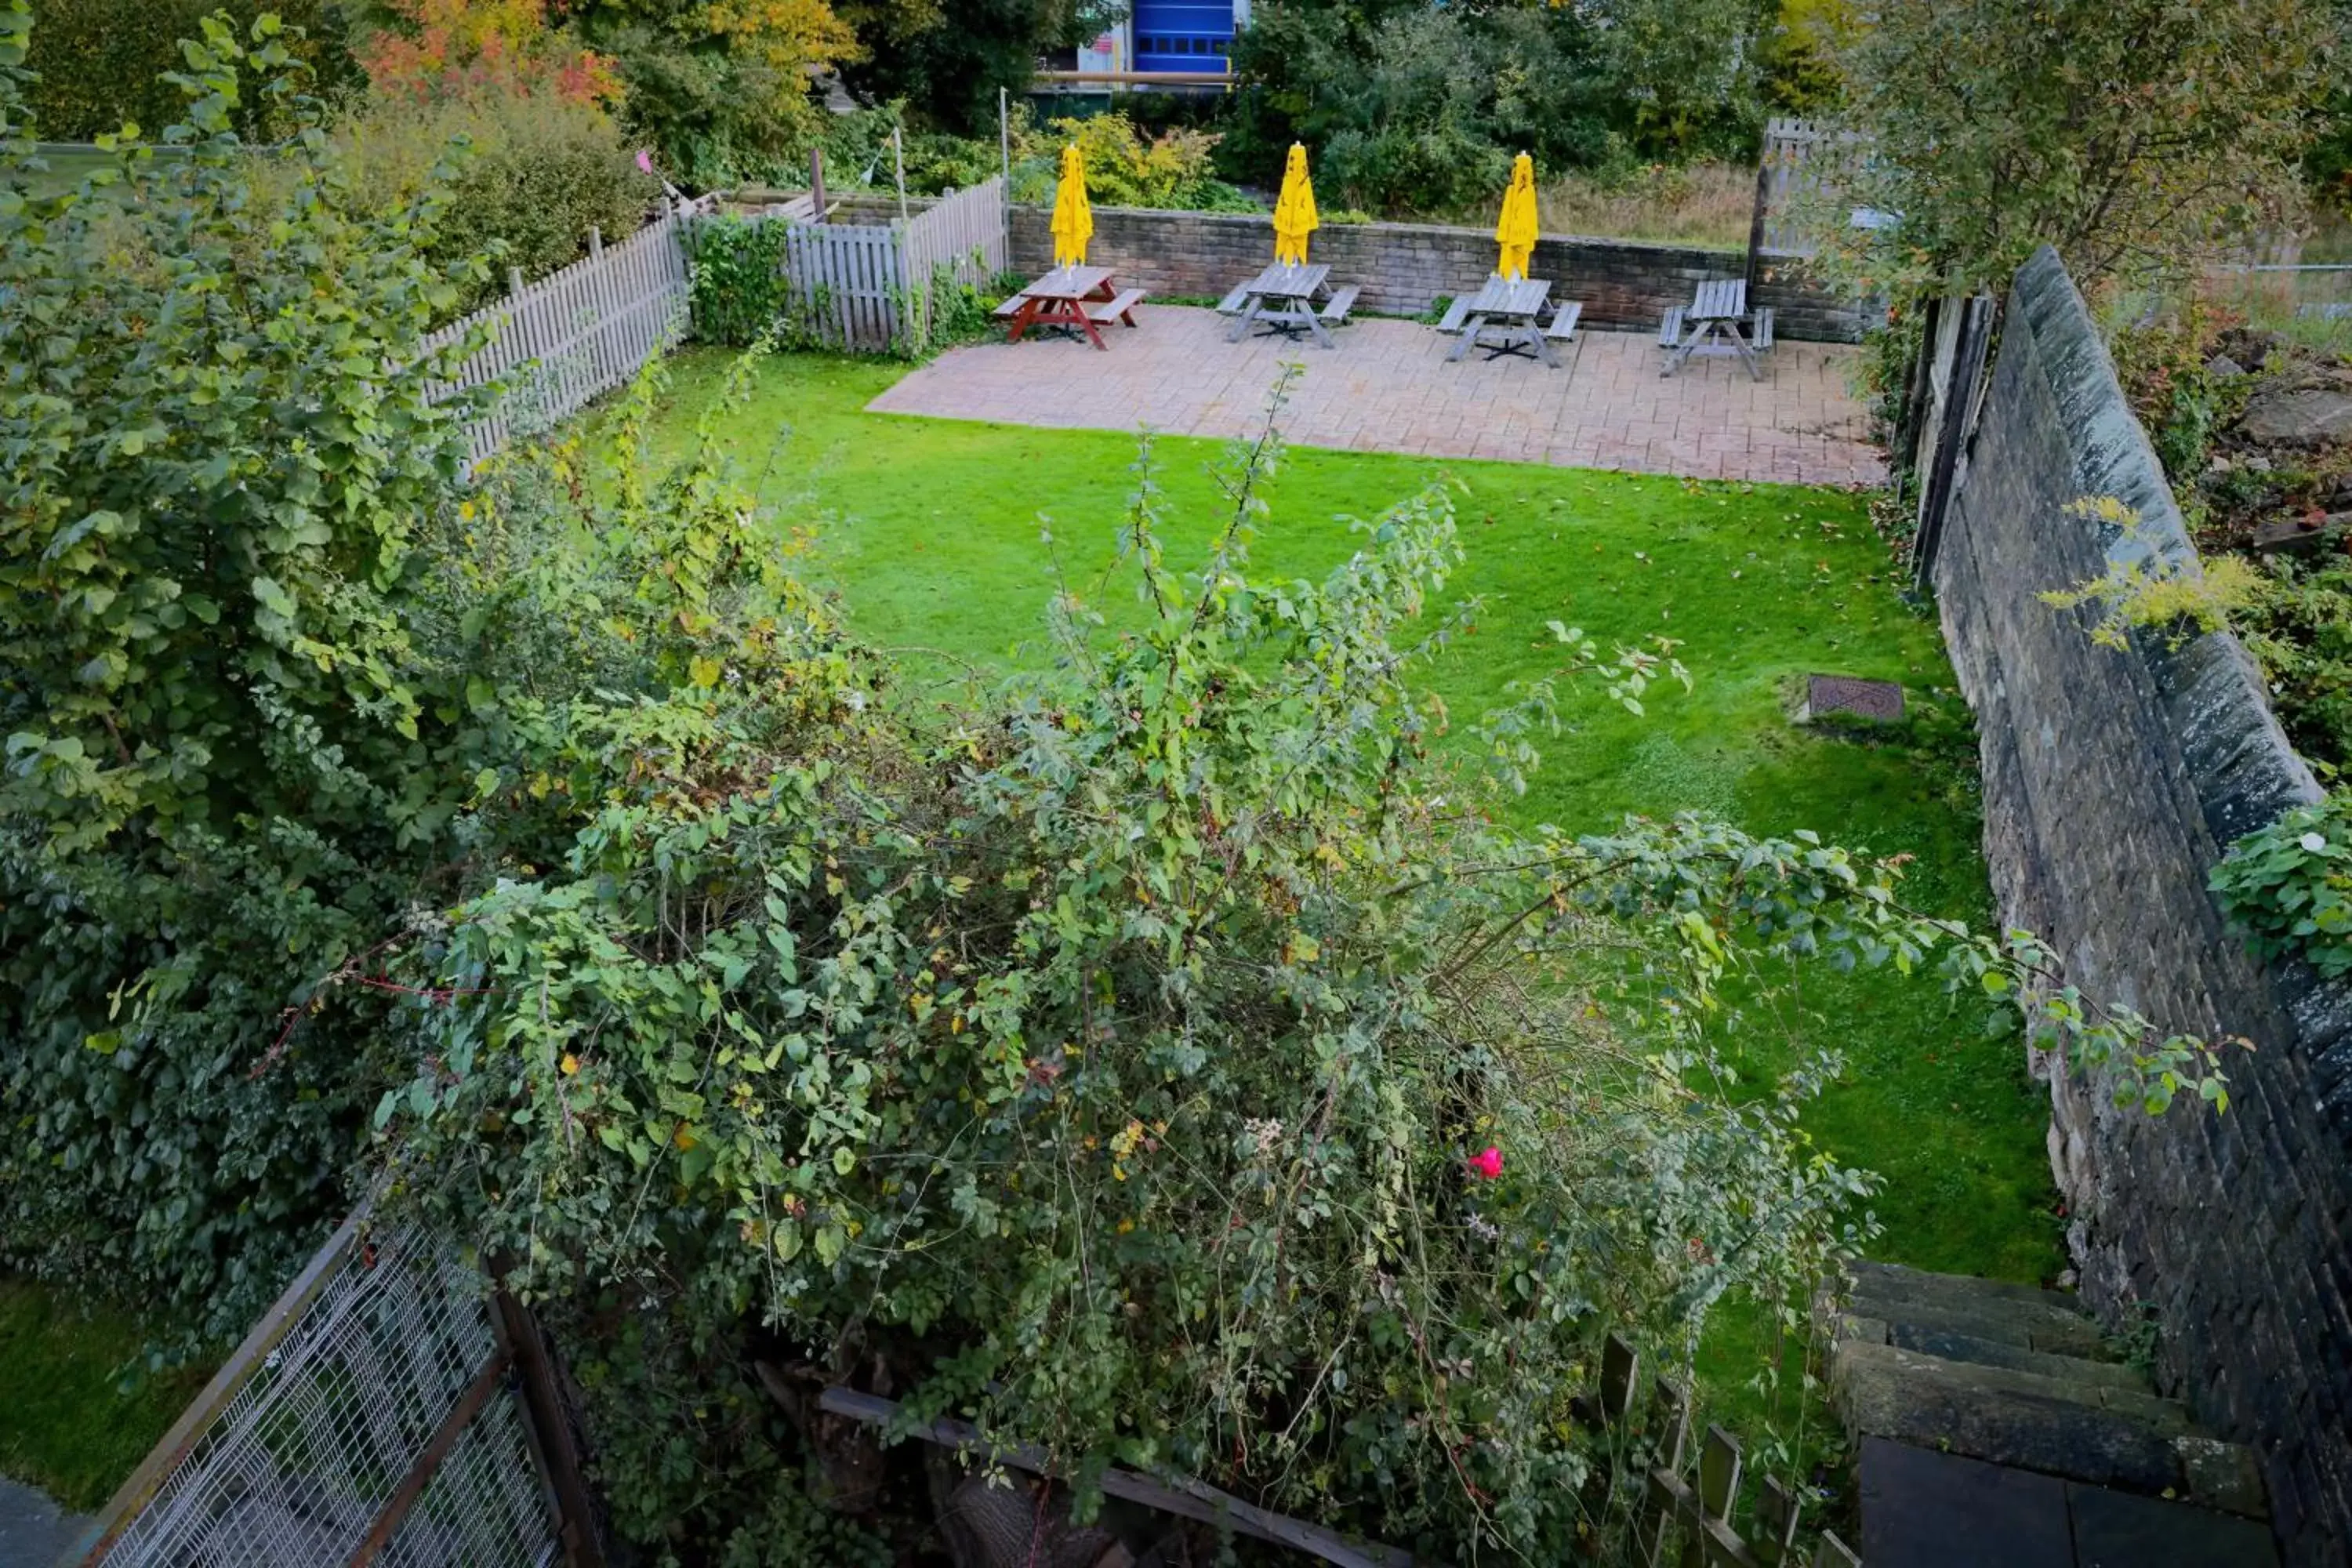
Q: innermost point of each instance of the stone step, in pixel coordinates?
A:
(2100, 1436)
(2024, 1317)
(1951, 1345)
(1961, 1287)
(2167, 1417)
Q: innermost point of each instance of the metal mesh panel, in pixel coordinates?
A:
(296, 1467)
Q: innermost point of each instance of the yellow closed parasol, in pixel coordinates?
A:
(1293, 210)
(1073, 220)
(1516, 232)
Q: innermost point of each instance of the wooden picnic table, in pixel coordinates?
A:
(1285, 297)
(1503, 318)
(1074, 298)
(1719, 321)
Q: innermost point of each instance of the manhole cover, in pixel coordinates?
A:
(1880, 700)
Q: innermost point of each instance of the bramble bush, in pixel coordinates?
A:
(1161, 1058)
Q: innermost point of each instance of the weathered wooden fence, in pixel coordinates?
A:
(1939, 411)
(845, 283)
(1789, 176)
(575, 334)
(386, 1410)
(963, 231)
(1655, 1463)
(868, 287)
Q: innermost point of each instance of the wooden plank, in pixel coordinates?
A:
(395, 1511)
(1181, 1496)
(549, 1429)
(1620, 1366)
(1777, 1512)
(1836, 1553)
(1718, 1472)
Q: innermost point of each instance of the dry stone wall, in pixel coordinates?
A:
(2113, 782)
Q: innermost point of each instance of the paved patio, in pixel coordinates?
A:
(1387, 388)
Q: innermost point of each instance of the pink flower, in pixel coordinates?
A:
(645, 162)
(1487, 1163)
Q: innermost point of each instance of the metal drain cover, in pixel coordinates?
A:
(1879, 699)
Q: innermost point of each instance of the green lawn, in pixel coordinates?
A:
(71, 1422)
(931, 531)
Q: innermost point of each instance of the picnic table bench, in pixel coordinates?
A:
(1078, 300)
(1288, 299)
(1506, 317)
(1717, 320)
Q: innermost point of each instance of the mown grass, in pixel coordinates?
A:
(76, 1414)
(933, 532)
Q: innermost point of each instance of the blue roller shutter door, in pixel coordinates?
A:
(1171, 36)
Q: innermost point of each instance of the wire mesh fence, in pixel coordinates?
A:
(369, 1419)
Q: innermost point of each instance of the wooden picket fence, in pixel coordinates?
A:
(1669, 1505)
(1798, 162)
(844, 283)
(581, 331)
(575, 333)
(853, 285)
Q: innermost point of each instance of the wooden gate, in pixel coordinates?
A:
(1947, 395)
(386, 1410)
(845, 283)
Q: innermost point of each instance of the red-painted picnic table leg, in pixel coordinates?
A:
(1022, 319)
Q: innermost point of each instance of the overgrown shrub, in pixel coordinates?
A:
(101, 63)
(1412, 108)
(2163, 362)
(1126, 168)
(222, 770)
(539, 172)
(739, 289)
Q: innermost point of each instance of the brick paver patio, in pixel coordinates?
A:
(1387, 388)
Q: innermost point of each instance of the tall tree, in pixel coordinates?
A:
(2135, 135)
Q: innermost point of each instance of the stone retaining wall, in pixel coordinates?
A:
(1403, 267)
(2113, 781)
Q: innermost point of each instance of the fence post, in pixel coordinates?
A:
(1756, 221)
(548, 1428)
(817, 182)
(1969, 350)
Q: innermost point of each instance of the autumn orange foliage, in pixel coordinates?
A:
(454, 48)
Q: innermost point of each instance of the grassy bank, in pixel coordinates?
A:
(76, 1414)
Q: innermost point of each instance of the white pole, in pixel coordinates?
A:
(898, 157)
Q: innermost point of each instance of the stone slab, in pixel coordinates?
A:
(34, 1531)
(1852, 697)
(1921, 1509)
(2003, 1417)
(1952, 1346)
(2117, 1529)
